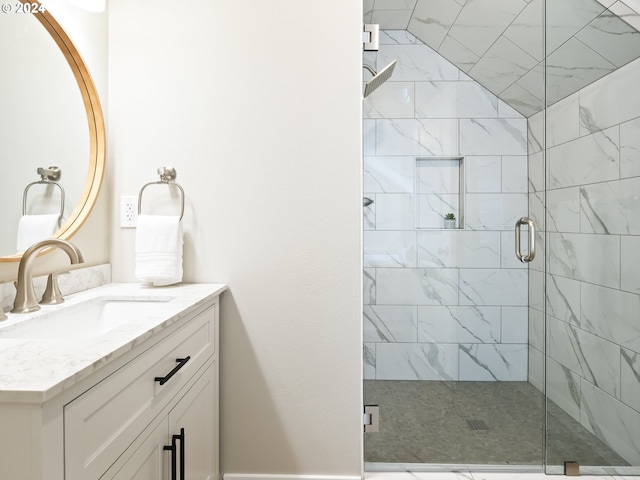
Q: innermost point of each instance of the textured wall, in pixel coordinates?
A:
(248, 105)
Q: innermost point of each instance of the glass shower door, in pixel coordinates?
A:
(589, 164)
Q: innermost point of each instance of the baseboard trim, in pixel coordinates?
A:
(260, 476)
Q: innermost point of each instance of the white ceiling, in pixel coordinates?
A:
(499, 43)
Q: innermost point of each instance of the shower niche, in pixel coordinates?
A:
(439, 191)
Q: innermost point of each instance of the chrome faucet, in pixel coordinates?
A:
(26, 300)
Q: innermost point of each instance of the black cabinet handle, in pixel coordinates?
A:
(172, 448)
(167, 377)
(181, 438)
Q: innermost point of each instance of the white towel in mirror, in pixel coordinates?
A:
(159, 242)
(33, 228)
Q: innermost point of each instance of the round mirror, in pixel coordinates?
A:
(52, 136)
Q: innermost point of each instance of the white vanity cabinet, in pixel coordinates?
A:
(192, 420)
(133, 418)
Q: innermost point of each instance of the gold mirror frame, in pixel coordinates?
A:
(95, 120)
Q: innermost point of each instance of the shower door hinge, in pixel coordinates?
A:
(371, 37)
(371, 418)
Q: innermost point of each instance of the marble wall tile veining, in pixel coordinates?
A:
(508, 257)
(502, 65)
(620, 104)
(416, 63)
(563, 210)
(458, 54)
(398, 100)
(629, 278)
(563, 121)
(437, 176)
(413, 265)
(589, 159)
(526, 102)
(383, 323)
(454, 100)
(431, 209)
(593, 358)
(417, 286)
(515, 324)
(483, 174)
(416, 361)
(612, 38)
(369, 137)
(536, 329)
(615, 422)
(526, 30)
(459, 249)
(588, 258)
(630, 148)
(369, 286)
(493, 136)
(390, 249)
(514, 174)
(563, 388)
(456, 324)
(369, 361)
(536, 290)
(388, 174)
(416, 137)
(494, 362)
(611, 314)
(566, 18)
(432, 19)
(487, 211)
(572, 66)
(493, 287)
(482, 21)
(563, 299)
(630, 378)
(395, 211)
(392, 19)
(611, 207)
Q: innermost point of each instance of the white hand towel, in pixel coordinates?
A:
(159, 249)
(33, 228)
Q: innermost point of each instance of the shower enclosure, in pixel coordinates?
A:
(503, 112)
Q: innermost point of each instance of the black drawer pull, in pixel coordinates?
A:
(166, 378)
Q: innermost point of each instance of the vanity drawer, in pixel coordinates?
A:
(101, 423)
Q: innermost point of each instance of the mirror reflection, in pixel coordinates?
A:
(43, 124)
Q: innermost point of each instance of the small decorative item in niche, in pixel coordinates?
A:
(450, 220)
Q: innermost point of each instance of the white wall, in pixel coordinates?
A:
(260, 114)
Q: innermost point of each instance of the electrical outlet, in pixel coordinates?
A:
(128, 211)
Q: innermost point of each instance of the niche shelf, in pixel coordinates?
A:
(439, 189)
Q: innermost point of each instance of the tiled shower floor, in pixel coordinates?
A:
(428, 422)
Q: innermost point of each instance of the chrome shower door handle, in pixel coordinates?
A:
(531, 240)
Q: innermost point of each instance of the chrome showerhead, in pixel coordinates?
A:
(378, 78)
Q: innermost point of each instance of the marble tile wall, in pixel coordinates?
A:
(592, 281)
(500, 43)
(441, 304)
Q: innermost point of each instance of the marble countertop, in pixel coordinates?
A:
(35, 370)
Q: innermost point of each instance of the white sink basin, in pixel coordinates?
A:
(85, 320)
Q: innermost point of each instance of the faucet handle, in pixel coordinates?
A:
(52, 294)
